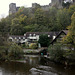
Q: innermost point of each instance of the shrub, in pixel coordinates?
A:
(33, 46)
(70, 54)
(15, 52)
(44, 40)
(3, 52)
(56, 52)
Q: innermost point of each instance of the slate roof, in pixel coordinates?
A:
(63, 31)
(16, 36)
(39, 33)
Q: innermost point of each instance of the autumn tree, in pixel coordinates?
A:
(71, 10)
(70, 38)
(22, 10)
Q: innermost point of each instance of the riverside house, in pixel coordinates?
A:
(31, 37)
(59, 39)
(17, 39)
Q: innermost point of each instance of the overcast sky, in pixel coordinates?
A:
(4, 4)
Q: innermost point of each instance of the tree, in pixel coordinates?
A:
(17, 28)
(63, 19)
(22, 10)
(23, 20)
(33, 46)
(15, 52)
(4, 25)
(3, 31)
(44, 40)
(70, 38)
(71, 10)
(56, 52)
(39, 17)
(52, 19)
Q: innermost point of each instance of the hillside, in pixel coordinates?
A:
(37, 20)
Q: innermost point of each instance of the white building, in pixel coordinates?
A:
(31, 37)
(17, 39)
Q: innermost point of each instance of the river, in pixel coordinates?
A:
(34, 65)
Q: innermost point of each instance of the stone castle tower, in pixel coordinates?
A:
(57, 3)
(13, 8)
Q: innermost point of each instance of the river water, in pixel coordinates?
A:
(34, 65)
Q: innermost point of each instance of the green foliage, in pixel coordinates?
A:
(17, 27)
(70, 37)
(15, 52)
(33, 46)
(4, 25)
(52, 19)
(70, 54)
(23, 20)
(44, 40)
(10, 51)
(22, 10)
(63, 19)
(71, 9)
(56, 52)
(59, 54)
(39, 17)
(17, 30)
(26, 20)
(3, 52)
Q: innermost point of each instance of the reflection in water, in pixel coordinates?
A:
(34, 66)
(0, 72)
(33, 60)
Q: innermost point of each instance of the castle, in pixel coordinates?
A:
(13, 8)
(56, 3)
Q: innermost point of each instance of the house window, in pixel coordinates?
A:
(30, 34)
(33, 34)
(19, 37)
(54, 37)
(48, 35)
(15, 38)
(24, 34)
(23, 37)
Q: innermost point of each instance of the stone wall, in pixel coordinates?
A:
(12, 8)
(54, 3)
(57, 3)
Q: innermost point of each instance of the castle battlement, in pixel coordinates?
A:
(55, 3)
